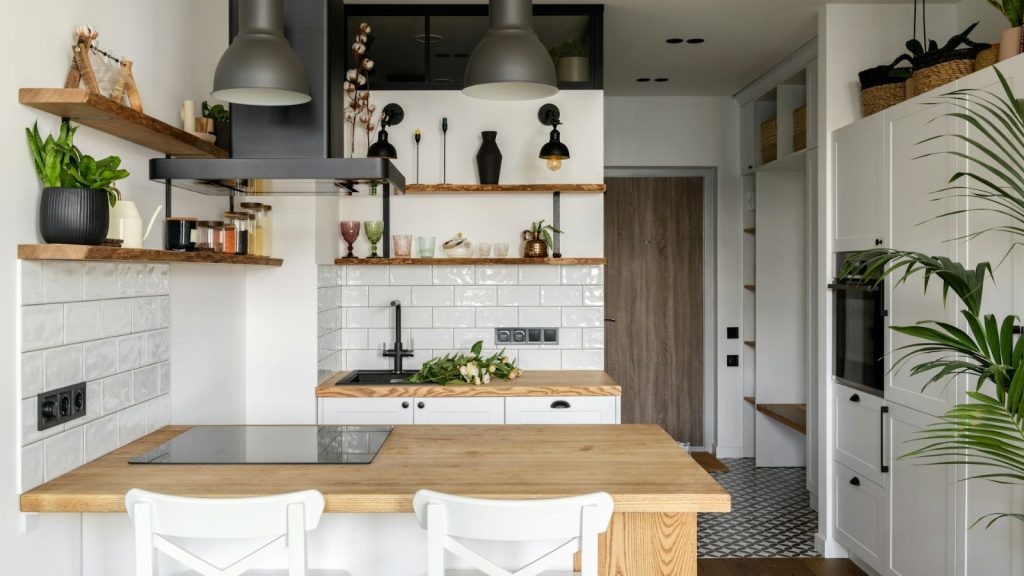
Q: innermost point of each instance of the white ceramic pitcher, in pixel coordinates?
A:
(126, 224)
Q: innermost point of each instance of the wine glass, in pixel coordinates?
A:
(374, 232)
(350, 233)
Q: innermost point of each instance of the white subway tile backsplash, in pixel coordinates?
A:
(31, 373)
(81, 321)
(131, 424)
(100, 280)
(426, 338)
(368, 275)
(593, 295)
(93, 403)
(496, 275)
(433, 295)
(569, 338)
(355, 296)
(464, 338)
(540, 359)
(354, 339)
(539, 317)
(592, 275)
(117, 392)
(116, 317)
(327, 276)
(379, 338)
(62, 281)
(583, 317)
(417, 317)
(410, 275)
(454, 317)
(561, 295)
(385, 295)
(583, 360)
(165, 377)
(540, 275)
(62, 366)
(130, 281)
(145, 383)
(158, 346)
(100, 358)
(31, 282)
(454, 275)
(131, 351)
(518, 296)
(476, 296)
(497, 317)
(100, 437)
(366, 360)
(42, 326)
(164, 311)
(592, 338)
(32, 466)
(158, 413)
(145, 314)
(63, 452)
(369, 317)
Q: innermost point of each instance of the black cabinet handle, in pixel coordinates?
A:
(878, 241)
(855, 398)
(610, 320)
(405, 404)
(855, 481)
(421, 405)
(881, 437)
(560, 404)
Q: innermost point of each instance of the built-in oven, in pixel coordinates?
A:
(858, 322)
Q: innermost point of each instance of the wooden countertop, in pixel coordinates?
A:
(531, 383)
(638, 464)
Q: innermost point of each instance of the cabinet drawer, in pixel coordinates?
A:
(858, 433)
(860, 516)
(366, 411)
(459, 411)
(559, 410)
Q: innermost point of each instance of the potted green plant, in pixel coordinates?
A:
(221, 118)
(571, 61)
(537, 239)
(940, 65)
(1009, 42)
(78, 190)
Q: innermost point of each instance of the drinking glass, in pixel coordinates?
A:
(483, 250)
(501, 250)
(350, 233)
(402, 244)
(425, 246)
(374, 232)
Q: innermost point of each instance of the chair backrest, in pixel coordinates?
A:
(577, 520)
(283, 519)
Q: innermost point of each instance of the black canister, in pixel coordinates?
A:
(181, 234)
(488, 158)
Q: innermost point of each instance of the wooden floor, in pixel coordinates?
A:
(776, 567)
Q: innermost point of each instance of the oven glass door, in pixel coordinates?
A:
(859, 336)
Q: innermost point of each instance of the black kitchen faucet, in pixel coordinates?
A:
(397, 351)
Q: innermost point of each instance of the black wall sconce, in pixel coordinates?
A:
(553, 151)
(392, 115)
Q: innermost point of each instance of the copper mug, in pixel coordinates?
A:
(534, 246)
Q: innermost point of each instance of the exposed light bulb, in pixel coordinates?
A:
(554, 163)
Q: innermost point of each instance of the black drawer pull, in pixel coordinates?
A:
(421, 405)
(855, 481)
(405, 404)
(855, 398)
(560, 404)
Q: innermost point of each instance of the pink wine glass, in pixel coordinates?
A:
(350, 233)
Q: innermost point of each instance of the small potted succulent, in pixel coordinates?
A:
(538, 239)
(78, 189)
(221, 119)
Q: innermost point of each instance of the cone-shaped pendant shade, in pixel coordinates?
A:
(260, 68)
(510, 63)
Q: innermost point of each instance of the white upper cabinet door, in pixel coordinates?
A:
(366, 411)
(919, 137)
(858, 208)
(922, 504)
(460, 411)
(551, 410)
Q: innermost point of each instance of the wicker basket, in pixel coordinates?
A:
(878, 98)
(800, 128)
(986, 57)
(769, 141)
(932, 77)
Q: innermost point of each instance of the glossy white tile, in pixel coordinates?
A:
(145, 383)
(117, 392)
(32, 466)
(410, 275)
(561, 295)
(454, 275)
(62, 366)
(454, 317)
(353, 339)
(582, 360)
(63, 452)
(497, 317)
(368, 275)
(583, 317)
(131, 351)
(100, 280)
(31, 282)
(497, 274)
(427, 338)
(145, 314)
(464, 338)
(131, 424)
(158, 346)
(540, 359)
(116, 317)
(582, 275)
(569, 338)
(366, 360)
(164, 311)
(539, 317)
(416, 317)
(158, 413)
(81, 321)
(592, 338)
(100, 437)
(518, 296)
(593, 295)
(476, 296)
(433, 295)
(100, 358)
(42, 326)
(62, 281)
(380, 338)
(540, 275)
(165, 377)
(355, 296)
(31, 374)
(368, 317)
(385, 295)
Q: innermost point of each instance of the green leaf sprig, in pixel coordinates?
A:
(60, 164)
(467, 369)
(543, 231)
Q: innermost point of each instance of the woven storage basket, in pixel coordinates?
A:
(878, 98)
(769, 140)
(932, 77)
(800, 128)
(986, 57)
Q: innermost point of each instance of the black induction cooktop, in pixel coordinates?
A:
(270, 445)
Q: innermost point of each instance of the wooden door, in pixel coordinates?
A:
(654, 301)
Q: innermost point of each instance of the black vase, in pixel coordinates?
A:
(74, 216)
(222, 130)
(488, 158)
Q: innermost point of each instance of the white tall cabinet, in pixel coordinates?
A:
(899, 517)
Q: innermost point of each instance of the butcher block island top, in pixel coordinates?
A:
(531, 383)
(640, 465)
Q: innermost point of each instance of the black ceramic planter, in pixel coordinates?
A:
(488, 159)
(74, 216)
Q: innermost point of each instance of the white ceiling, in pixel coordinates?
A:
(744, 38)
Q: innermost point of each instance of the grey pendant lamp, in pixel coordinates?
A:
(259, 67)
(510, 63)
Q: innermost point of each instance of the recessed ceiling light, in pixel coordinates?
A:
(643, 79)
(661, 79)
(675, 40)
(428, 39)
(695, 41)
(442, 55)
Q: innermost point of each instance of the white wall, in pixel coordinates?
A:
(696, 132)
(991, 22)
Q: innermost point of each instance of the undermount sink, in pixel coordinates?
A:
(375, 377)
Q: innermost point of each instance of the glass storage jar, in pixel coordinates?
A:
(230, 239)
(255, 209)
(240, 220)
(206, 238)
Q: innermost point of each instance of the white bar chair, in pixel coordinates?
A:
(275, 523)
(447, 518)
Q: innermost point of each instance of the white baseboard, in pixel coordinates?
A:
(829, 548)
(728, 451)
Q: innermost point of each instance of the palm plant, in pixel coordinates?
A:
(987, 433)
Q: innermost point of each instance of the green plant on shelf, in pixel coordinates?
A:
(60, 164)
(467, 369)
(1012, 9)
(543, 231)
(217, 112)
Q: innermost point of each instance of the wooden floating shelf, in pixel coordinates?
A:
(503, 188)
(105, 115)
(791, 415)
(470, 261)
(750, 400)
(749, 287)
(79, 252)
(750, 230)
(750, 343)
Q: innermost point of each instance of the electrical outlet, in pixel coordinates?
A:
(525, 336)
(59, 406)
(732, 360)
(732, 332)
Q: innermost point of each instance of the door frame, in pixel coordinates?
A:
(709, 174)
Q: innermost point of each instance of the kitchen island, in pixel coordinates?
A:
(658, 489)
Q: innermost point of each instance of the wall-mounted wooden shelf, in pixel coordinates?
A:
(108, 116)
(470, 261)
(503, 188)
(749, 287)
(791, 415)
(79, 252)
(750, 230)
(750, 400)
(750, 343)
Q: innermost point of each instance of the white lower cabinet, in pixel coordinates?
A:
(860, 516)
(858, 433)
(367, 411)
(555, 410)
(459, 411)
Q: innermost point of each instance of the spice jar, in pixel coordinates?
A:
(230, 237)
(206, 238)
(255, 209)
(240, 220)
(218, 237)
